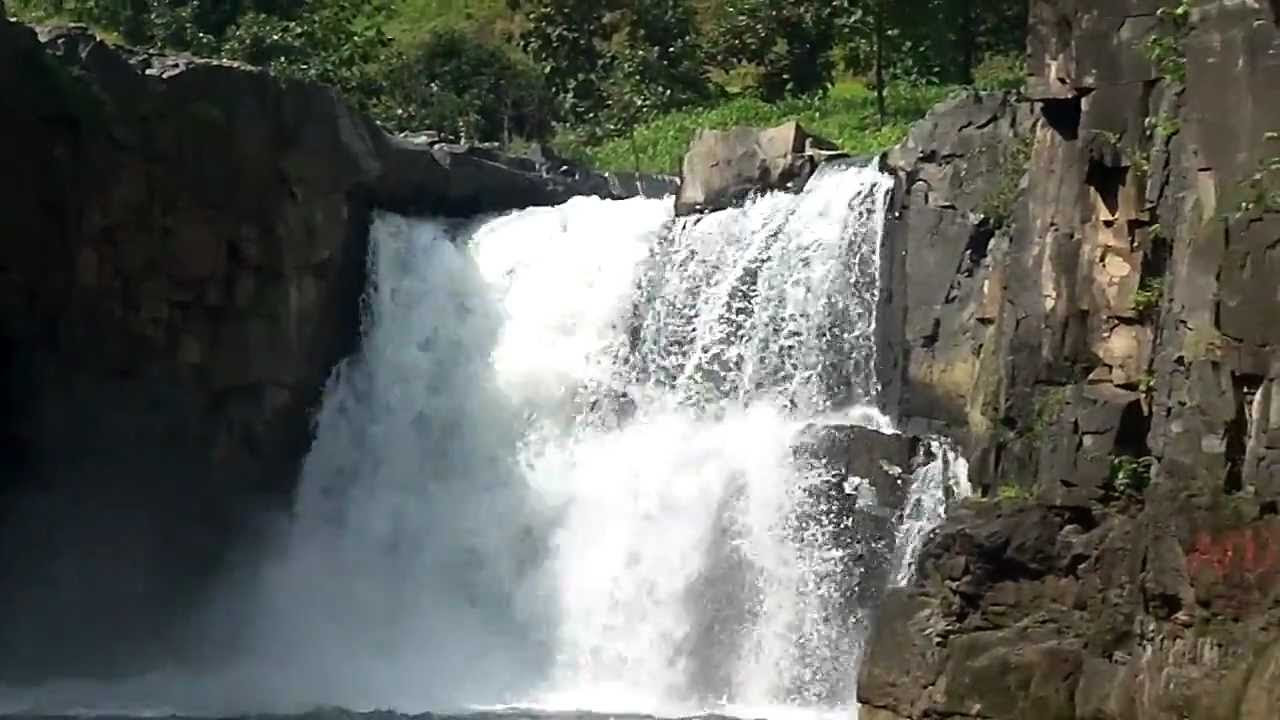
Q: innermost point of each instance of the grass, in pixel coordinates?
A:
(411, 20)
(846, 116)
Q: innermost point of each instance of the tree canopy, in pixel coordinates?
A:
(497, 70)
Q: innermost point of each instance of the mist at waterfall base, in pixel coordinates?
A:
(559, 474)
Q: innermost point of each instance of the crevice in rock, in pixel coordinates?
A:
(1245, 388)
(977, 248)
(1107, 180)
(1132, 432)
(1155, 261)
(928, 341)
(1063, 115)
(1270, 507)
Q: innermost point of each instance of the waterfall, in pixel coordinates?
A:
(942, 477)
(560, 473)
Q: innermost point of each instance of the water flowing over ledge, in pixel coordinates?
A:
(560, 472)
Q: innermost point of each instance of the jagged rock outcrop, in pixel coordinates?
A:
(722, 167)
(183, 255)
(1082, 287)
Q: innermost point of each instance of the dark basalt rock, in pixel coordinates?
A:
(1074, 290)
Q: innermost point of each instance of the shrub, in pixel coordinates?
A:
(999, 72)
(1146, 299)
(1013, 493)
(453, 82)
(1131, 475)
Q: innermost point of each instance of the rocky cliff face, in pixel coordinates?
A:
(1083, 287)
(183, 256)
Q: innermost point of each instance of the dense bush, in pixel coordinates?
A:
(791, 42)
(1001, 72)
(477, 90)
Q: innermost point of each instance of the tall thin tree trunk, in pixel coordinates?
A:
(878, 32)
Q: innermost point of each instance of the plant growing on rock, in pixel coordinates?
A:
(1261, 189)
(999, 204)
(1131, 475)
(1049, 404)
(1000, 72)
(1146, 383)
(1163, 125)
(1147, 298)
(1165, 46)
(1014, 493)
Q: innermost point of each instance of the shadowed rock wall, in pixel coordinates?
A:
(1083, 288)
(182, 257)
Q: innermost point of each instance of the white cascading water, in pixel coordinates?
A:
(559, 473)
(944, 476)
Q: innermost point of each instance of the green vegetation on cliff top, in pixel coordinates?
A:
(846, 115)
(621, 83)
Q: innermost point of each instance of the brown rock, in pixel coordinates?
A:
(723, 167)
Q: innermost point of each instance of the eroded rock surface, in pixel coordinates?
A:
(1077, 290)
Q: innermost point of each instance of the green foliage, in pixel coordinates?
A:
(1049, 405)
(1146, 299)
(1260, 191)
(791, 42)
(999, 204)
(565, 39)
(1014, 493)
(633, 72)
(846, 116)
(329, 41)
(945, 40)
(1001, 72)
(1164, 125)
(1165, 46)
(1131, 475)
(411, 21)
(658, 64)
(456, 83)
(1146, 383)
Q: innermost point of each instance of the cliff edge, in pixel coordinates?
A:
(1081, 285)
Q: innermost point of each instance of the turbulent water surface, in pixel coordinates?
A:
(559, 475)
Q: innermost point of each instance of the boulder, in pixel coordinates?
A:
(723, 167)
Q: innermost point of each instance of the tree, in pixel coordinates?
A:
(453, 82)
(790, 43)
(565, 39)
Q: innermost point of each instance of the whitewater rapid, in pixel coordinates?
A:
(560, 473)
